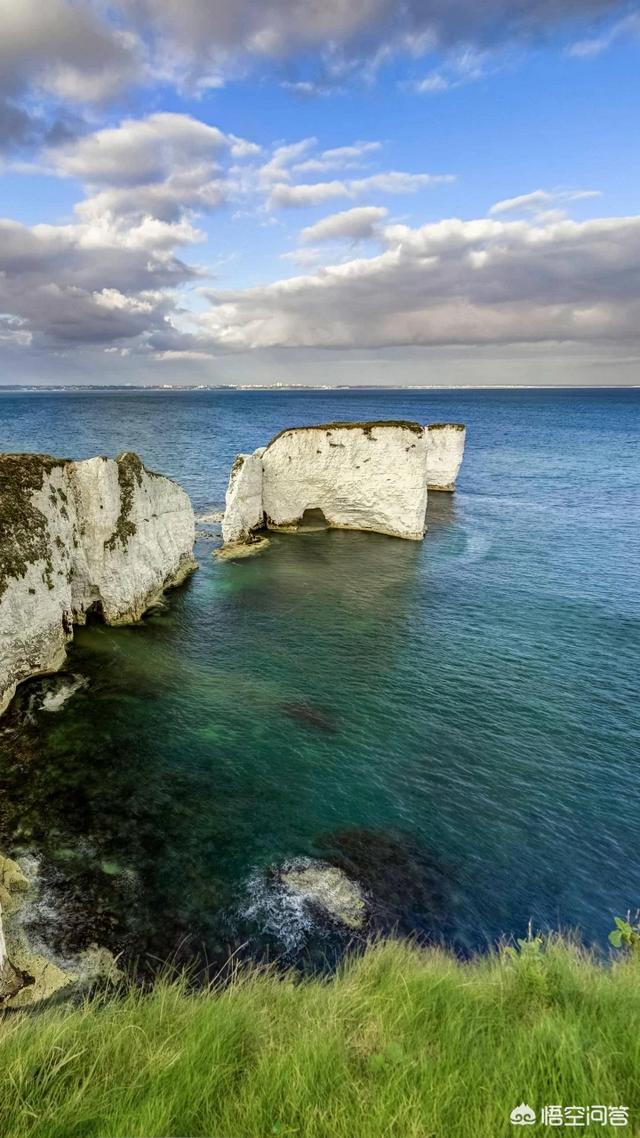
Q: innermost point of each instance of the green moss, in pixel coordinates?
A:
(24, 529)
(439, 426)
(130, 470)
(367, 427)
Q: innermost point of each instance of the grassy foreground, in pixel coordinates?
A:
(402, 1042)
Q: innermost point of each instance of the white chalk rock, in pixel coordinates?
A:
(363, 476)
(74, 535)
(244, 512)
(445, 450)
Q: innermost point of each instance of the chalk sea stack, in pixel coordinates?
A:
(361, 476)
(103, 535)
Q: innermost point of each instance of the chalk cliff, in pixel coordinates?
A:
(362, 476)
(104, 535)
(244, 511)
(445, 450)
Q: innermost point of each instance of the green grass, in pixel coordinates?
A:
(401, 1042)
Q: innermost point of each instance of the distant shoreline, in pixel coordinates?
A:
(25, 389)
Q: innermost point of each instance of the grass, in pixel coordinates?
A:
(403, 1042)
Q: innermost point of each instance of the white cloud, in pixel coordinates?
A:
(211, 34)
(65, 287)
(397, 182)
(434, 81)
(627, 28)
(84, 51)
(139, 150)
(455, 282)
(277, 168)
(285, 195)
(541, 203)
(357, 224)
(339, 158)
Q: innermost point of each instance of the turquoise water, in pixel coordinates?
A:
(455, 722)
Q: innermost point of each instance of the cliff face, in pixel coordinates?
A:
(102, 533)
(445, 449)
(369, 476)
(363, 476)
(244, 511)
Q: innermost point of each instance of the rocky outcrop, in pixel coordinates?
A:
(28, 973)
(445, 450)
(244, 511)
(362, 476)
(101, 535)
(327, 888)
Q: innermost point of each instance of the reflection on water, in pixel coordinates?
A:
(450, 722)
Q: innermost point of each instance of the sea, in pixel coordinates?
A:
(454, 723)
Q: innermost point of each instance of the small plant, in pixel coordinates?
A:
(626, 935)
(530, 947)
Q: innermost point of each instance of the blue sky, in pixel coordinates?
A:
(470, 184)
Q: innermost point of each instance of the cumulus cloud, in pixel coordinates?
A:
(64, 287)
(281, 28)
(139, 150)
(357, 224)
(62, 50)
(454, 282)
(89, 50)
(163, 167)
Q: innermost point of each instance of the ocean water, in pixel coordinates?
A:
(454, 722)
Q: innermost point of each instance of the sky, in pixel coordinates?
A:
(411, 192)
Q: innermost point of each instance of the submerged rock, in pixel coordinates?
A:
(301, 903)
(328, 888)
(308, 713)
(103, 535)
(236, 550)
(408, 890)
(27, 973)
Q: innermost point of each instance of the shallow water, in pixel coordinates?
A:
(453, 722)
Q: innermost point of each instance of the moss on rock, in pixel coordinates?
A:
(367, 427)
(130, 470)
(23, 526)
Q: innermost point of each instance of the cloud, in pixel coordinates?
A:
(434, 81)
(63, 49)
(452, 283)
(214, 30)
(59, 54)
(627, 28)
(139, 150)
(65, 287)
(284, 195)
(339, 158)
(460, 68)
(277, 168)
(358, 224)
(540, 200)
(162, 167)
